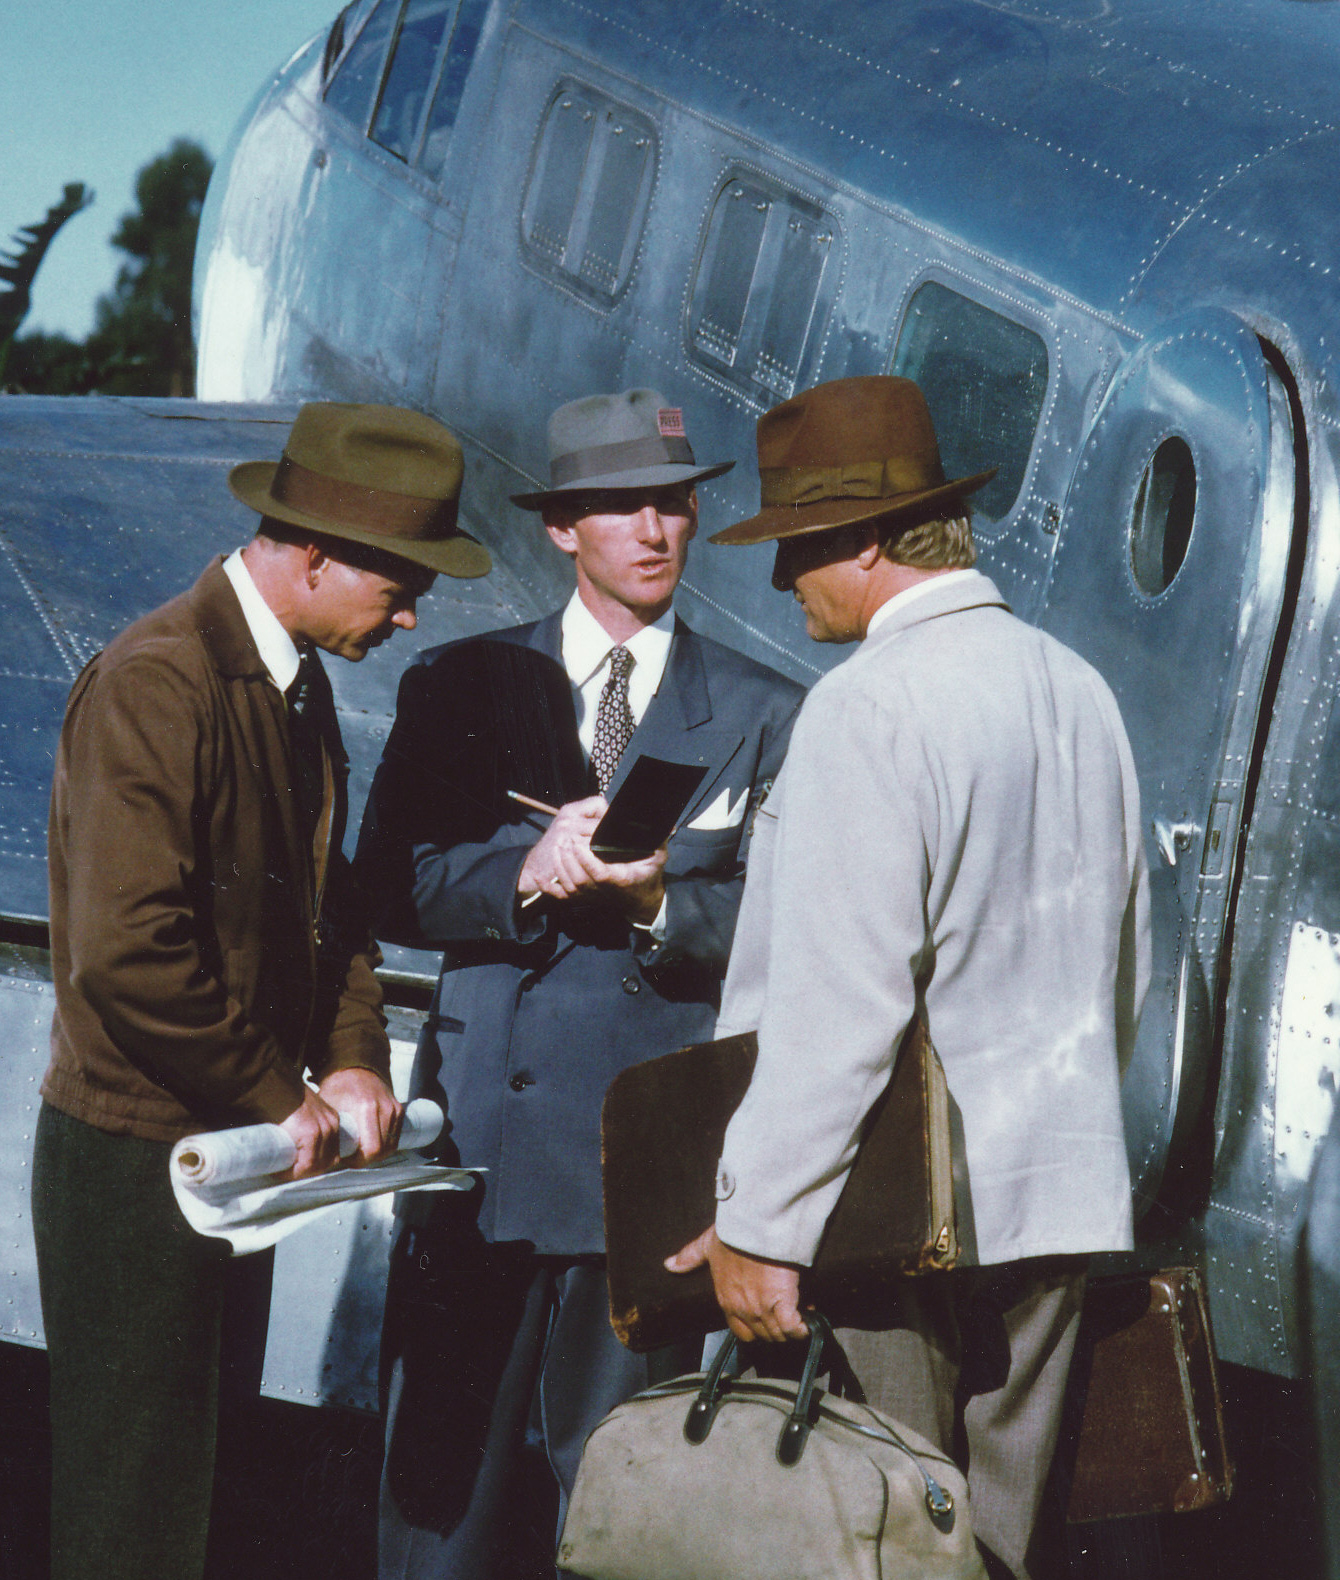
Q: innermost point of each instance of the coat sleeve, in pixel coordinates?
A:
(836, 924)
(137, 782)
(435, 861)
(348, 990)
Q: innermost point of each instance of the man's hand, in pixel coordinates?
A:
(564, 866)
(637, 887)
(554, 866)
(314, 1128)
(371, 1104)
(760, 1299)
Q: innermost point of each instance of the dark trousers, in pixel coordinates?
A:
(976, 1360)
(480, 1343)
(134, 1304)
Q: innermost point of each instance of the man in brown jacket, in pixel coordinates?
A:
(205, 954)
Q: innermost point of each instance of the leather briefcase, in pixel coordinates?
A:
(1151, 1436)
(661, 1134)
(717, 1477)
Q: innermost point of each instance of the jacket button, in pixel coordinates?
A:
(521, 1080)
(492, 932)
(631, 985)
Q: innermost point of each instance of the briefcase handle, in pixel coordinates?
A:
(726, 1366)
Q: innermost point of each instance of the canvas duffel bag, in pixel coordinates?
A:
(714, 1476)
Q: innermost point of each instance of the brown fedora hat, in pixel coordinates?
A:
(846, 451)
(383, 476)
(630, 440)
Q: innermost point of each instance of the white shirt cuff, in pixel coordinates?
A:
(656, 927)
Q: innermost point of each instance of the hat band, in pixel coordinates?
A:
(379, 510)
(605, 460)
(809, 485)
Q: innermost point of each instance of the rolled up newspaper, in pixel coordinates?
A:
(252, 1152)
(226, 1186)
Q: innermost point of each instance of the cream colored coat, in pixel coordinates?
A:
(957, 826)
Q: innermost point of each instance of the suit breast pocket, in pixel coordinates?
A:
(712, 850)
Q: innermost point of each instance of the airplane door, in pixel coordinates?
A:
(1169, 577)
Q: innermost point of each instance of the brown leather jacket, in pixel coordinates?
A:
(192, 983)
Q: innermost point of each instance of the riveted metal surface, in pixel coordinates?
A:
(26, 1003)
(1309, 1052)
(1322, 1287)
(1186, 664)
(330, 1286)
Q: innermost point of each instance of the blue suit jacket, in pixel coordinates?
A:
(536, 1011)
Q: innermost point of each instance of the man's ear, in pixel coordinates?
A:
(559, 528)
(869, 549)
(693, 513)
(315, 559)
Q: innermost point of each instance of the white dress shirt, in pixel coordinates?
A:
(586, 657)
(277, 648)
(587, 646)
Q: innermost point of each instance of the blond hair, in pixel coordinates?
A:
(941, 544)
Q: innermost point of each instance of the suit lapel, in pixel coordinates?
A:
(533, 715)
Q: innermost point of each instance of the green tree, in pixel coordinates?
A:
(141, 341)
(41, 364)
(18, 268)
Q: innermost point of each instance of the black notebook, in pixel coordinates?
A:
(645, 809)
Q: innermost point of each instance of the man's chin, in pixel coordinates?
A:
(822, 633)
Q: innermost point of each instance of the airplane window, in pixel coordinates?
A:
(757, 286)
(985, 379)
(1161, 522)
(590, 184)
(344, 28)
(451, 85)
(738, 236)
(564, 145)
(625, 159)
(804, 251)
(409, 76)
(356, 78)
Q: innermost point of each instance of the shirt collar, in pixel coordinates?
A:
(587, 644)
(909, 594)
(278, 651)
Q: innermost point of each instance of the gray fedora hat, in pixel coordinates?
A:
(631, 440)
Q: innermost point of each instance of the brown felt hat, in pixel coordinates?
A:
(847, 451)
(383, 476)
(630, 440)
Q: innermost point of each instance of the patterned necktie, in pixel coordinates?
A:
(614, 718)
(309, 769)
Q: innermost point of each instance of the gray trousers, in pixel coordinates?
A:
(135, 1306)
(976, 1361)
(484, 1345)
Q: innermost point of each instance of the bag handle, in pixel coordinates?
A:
(796, 1430)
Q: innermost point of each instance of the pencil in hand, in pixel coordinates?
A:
(533, 804)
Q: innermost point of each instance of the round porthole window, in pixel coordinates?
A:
(1165, 508)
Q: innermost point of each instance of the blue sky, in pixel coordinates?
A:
(91, 90)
